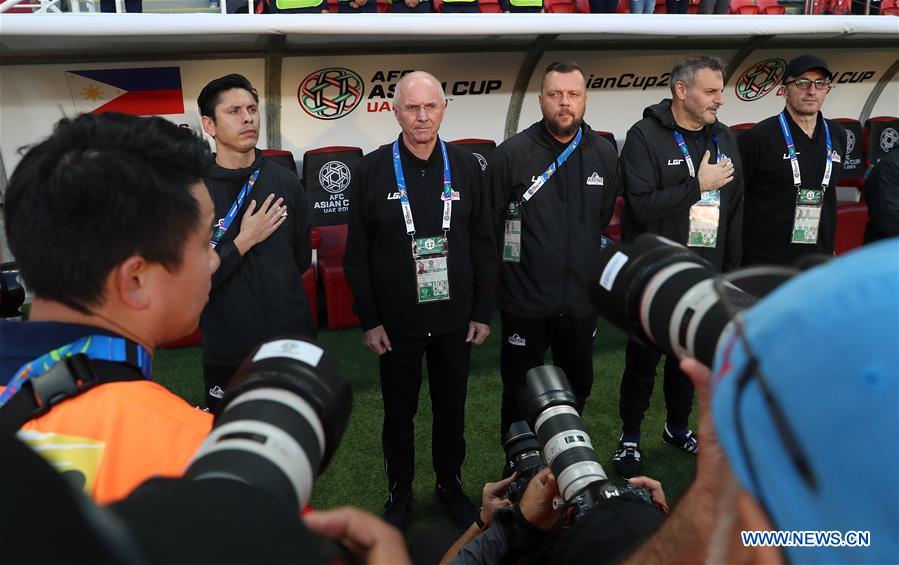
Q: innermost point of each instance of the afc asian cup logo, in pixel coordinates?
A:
(850, 141)
(329, 94)
(888, 139)
(760, 79)
(334, 177)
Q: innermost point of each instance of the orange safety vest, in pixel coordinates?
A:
(117, 435)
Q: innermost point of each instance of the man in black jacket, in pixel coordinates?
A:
(793, 162)
(553, 187)
(421, 261)
(682, 180)
(882, 196)
(257, 293)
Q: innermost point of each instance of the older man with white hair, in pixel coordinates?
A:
(421, 261)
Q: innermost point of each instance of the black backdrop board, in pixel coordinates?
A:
(854, 164)
(883, 137)
(482, 149)
(327, 173)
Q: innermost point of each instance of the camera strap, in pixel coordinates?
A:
(68, 371)
(222, 228)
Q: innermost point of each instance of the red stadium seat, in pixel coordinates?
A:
(282, 156)
(583, 6)
(851, 220)
(854, 164)
(740, 128)
(438, 5)
(693, 7)
(383, 7)
(661, 7)
(889, 11)
(559, 7)
(338, 297)
(490, 8)
(192, 340)
(746, 11)
(878, 138)
(624, 7)
(613, 230)
(482, 149)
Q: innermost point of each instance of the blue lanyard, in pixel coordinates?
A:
(102, 347)
(794, 160)
(553, 167)
(446, 196)
(235, 206)
(682, 145)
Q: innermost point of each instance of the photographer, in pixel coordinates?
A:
(503, 530)
(109, 220)
(785, 426)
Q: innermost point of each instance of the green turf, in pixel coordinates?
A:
(356, 474)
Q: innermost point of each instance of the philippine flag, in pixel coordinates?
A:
(143, 92)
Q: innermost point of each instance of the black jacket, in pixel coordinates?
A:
(659, 190)
(771, 196)
(260, 295)
(882, 196)
(378, 261)
(561, 224)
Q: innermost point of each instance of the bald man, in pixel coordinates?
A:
(421, 261)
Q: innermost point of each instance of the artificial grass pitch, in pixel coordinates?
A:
(356, 473)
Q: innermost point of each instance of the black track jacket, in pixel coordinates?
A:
(378, 261)
(260, 295)
(561, 224)
(659, 191)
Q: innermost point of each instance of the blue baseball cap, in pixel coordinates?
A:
(827, 344)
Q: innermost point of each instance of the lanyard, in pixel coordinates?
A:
(550, 171)
(235, 206)
(446, 196)
(682, 145)
(101, 347)
(794, 160)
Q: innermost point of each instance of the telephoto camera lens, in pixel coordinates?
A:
(550, 404)
(12, 294)
(663, 295)
(279, 423)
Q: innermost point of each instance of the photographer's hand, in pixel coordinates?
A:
(493, 498)
(368, 537)
(655, 490)
(537, 502)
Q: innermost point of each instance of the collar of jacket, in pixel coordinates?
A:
(661, 112)
(411, 158)
(538, 132)
(218, 172)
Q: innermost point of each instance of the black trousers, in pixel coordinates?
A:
(448, 358)
(524, 345)
(637, 383)
(215, 381)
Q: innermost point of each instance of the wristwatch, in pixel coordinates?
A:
(480, 523)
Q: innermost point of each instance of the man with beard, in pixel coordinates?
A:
(682, 180)
(256, 293)
(553, 190)
(421, 261)
(793, 163)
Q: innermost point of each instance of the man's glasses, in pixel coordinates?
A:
(414, 109)
(806, 83)
(752, 371)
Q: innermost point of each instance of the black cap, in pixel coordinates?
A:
(804, 63)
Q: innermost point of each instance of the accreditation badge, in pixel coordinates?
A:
(512, 234)
(807, 217)
(705, 216)
(431, 255)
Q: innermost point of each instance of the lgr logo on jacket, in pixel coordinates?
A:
(594, 180)
(787, 155)
(516, 339)
(674, 162)
(393, 196)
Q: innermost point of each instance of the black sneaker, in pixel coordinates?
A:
(687, 443)
(398, 510)
(627, 459)
(460, 509)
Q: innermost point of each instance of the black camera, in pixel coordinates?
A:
(12, 293)
(665, 296)
(550, 404)
(523, 456)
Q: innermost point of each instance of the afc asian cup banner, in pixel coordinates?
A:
(34, 97)
(348, 100)
(619, 87)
